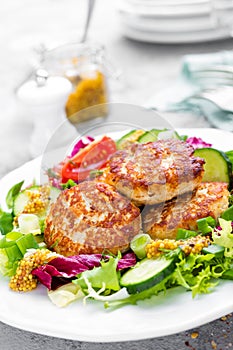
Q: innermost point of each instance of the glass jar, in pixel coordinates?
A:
(83, 65)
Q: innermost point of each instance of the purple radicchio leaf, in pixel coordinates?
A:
(197, 142)
(61, 270)
(82, 143)
(45, 274)
(66, 267)
(127, 260)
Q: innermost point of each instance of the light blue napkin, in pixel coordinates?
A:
(181, 95)
(192, 65)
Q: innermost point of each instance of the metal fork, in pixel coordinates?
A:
(221, 96)
(215, 104)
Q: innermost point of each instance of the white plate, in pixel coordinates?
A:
(165, 10)
(171, 9)
(177, 25)
(176, 22)
(168, 25)
(175, 37)
(159, 316)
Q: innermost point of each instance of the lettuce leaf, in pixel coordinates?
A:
(4, 270)
(7, 267)
(97, 294)
(146, 294)
(6, 222)
(203, 282)
(104, 276)
(12, 193)
(65, 295)
(223, 236)
(199, 273)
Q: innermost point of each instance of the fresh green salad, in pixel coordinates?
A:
(196, 259)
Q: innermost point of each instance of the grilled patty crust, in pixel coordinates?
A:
(163, 220)
(91, 218)
(154, 172)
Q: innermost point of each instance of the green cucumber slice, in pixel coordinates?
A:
(142, 136)
(22, 199)
(20, 203)
(218, 167)
(147, 273)
(150, 136)
(158, 134)
(130, 137)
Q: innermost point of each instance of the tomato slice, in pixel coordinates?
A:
(92, 157)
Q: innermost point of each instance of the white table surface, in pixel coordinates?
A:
(146, 68)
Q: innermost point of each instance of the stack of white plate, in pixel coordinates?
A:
(176, 21)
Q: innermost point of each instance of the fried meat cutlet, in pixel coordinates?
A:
(163, 220)
(154, 172)
(91, 218)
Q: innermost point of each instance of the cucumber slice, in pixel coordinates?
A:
(29, 223)
(20, 202)
(217, 165)
(147, 273)
(130, 137)
(169, 134)
(23, 199)
(150, 136)
(142, 136)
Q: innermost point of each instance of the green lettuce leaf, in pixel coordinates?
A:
(224, 237)
(7, 267)
(12, 193)
(6, 222)
(65, 295)
(199, 273)
(146, 294)
(203, 282)
(106, 275)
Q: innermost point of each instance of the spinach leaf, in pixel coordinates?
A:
(12, 193)
(6, 222)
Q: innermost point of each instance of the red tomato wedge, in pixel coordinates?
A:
(92, 157)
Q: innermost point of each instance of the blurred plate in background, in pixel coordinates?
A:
(177, 21)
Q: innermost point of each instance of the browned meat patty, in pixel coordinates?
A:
(162, 221)
(154, 172)
(91, 218)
